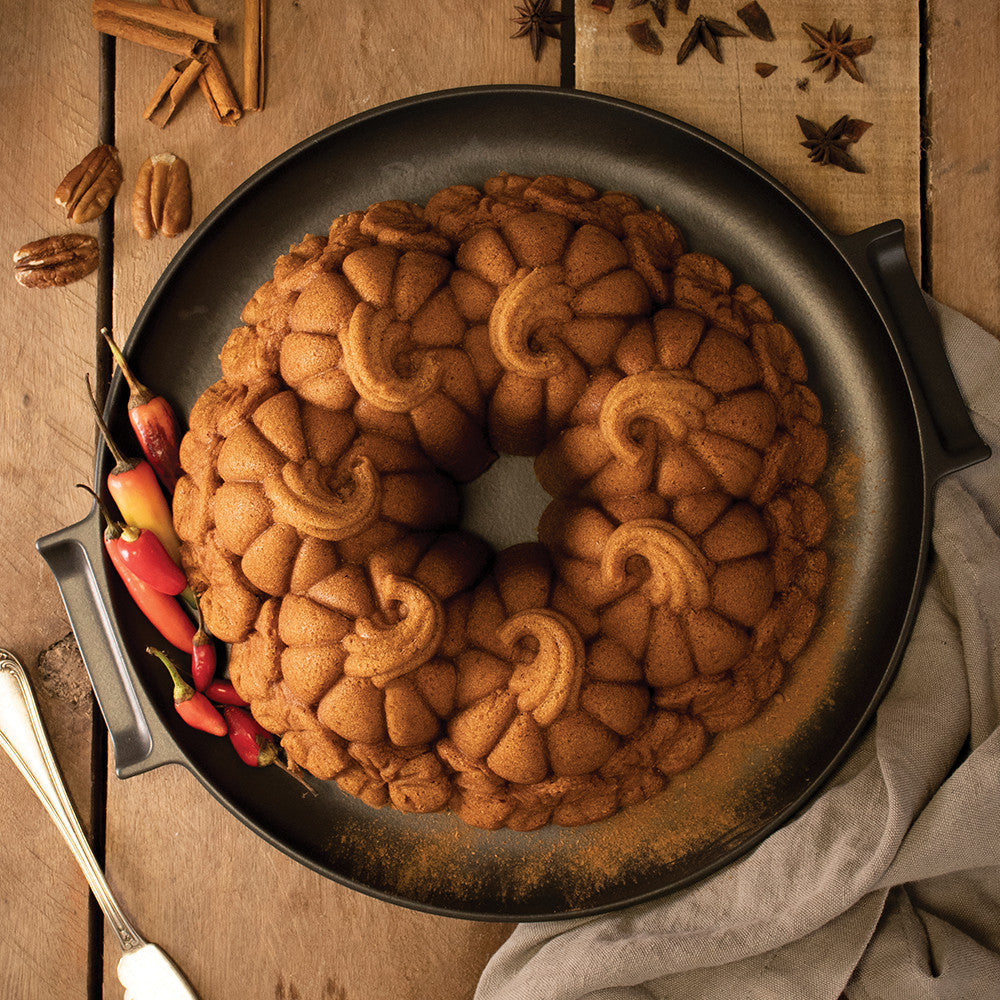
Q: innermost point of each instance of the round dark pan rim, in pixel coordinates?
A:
(179, 747)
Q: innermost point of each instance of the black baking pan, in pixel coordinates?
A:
(897, 424)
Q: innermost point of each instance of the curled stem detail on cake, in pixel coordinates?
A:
(525, 310)
(373, 343)
(381, 653)
(678, 572)
(677, 404)
(304, 497)
(549, 683)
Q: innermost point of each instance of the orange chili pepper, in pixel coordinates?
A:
(143, 553)
(133, 485)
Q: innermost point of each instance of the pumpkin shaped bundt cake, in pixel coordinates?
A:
(678, 569)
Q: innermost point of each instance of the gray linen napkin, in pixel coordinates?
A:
(888, 885)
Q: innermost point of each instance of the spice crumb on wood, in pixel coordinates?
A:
(758, 23)
(62, 673)
(643, 37)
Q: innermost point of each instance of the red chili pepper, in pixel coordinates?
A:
(145, 555)
(162, 610)
(192, 706)
(203, 658)
(154, 423)
(134, 487)
(252, 741)
(222, 692)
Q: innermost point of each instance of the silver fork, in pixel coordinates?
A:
(145, 970)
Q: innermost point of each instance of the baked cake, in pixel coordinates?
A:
(677, 570)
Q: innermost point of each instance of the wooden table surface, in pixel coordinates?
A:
(241, 918)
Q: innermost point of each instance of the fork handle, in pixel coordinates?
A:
(23, 737)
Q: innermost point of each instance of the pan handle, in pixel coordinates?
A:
(139, 739)
(878, 255)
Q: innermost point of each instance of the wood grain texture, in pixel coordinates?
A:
(50, 119)
(244, 919)
(757, 116)
(963, 157)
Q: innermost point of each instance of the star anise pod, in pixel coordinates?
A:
(837, 50)
(707, 31)
(537, 22)
(829, 146)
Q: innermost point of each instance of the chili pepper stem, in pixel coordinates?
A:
(294, 772)
(117, 527)
(139, 393)
(122, 464)
(182, 690)
(268, 753)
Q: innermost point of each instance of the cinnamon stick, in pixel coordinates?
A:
(214, 81)
(253, 54)
(142, 34)
(172, 90)
(147, 24)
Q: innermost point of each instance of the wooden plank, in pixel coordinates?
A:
(51, 116)
(963, 165)
(243, 919)
(232, 910)
(757, 116)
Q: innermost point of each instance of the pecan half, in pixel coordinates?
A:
(87, 190)
(161, 202)
(55, 260)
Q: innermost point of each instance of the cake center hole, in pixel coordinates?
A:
(504, 504)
